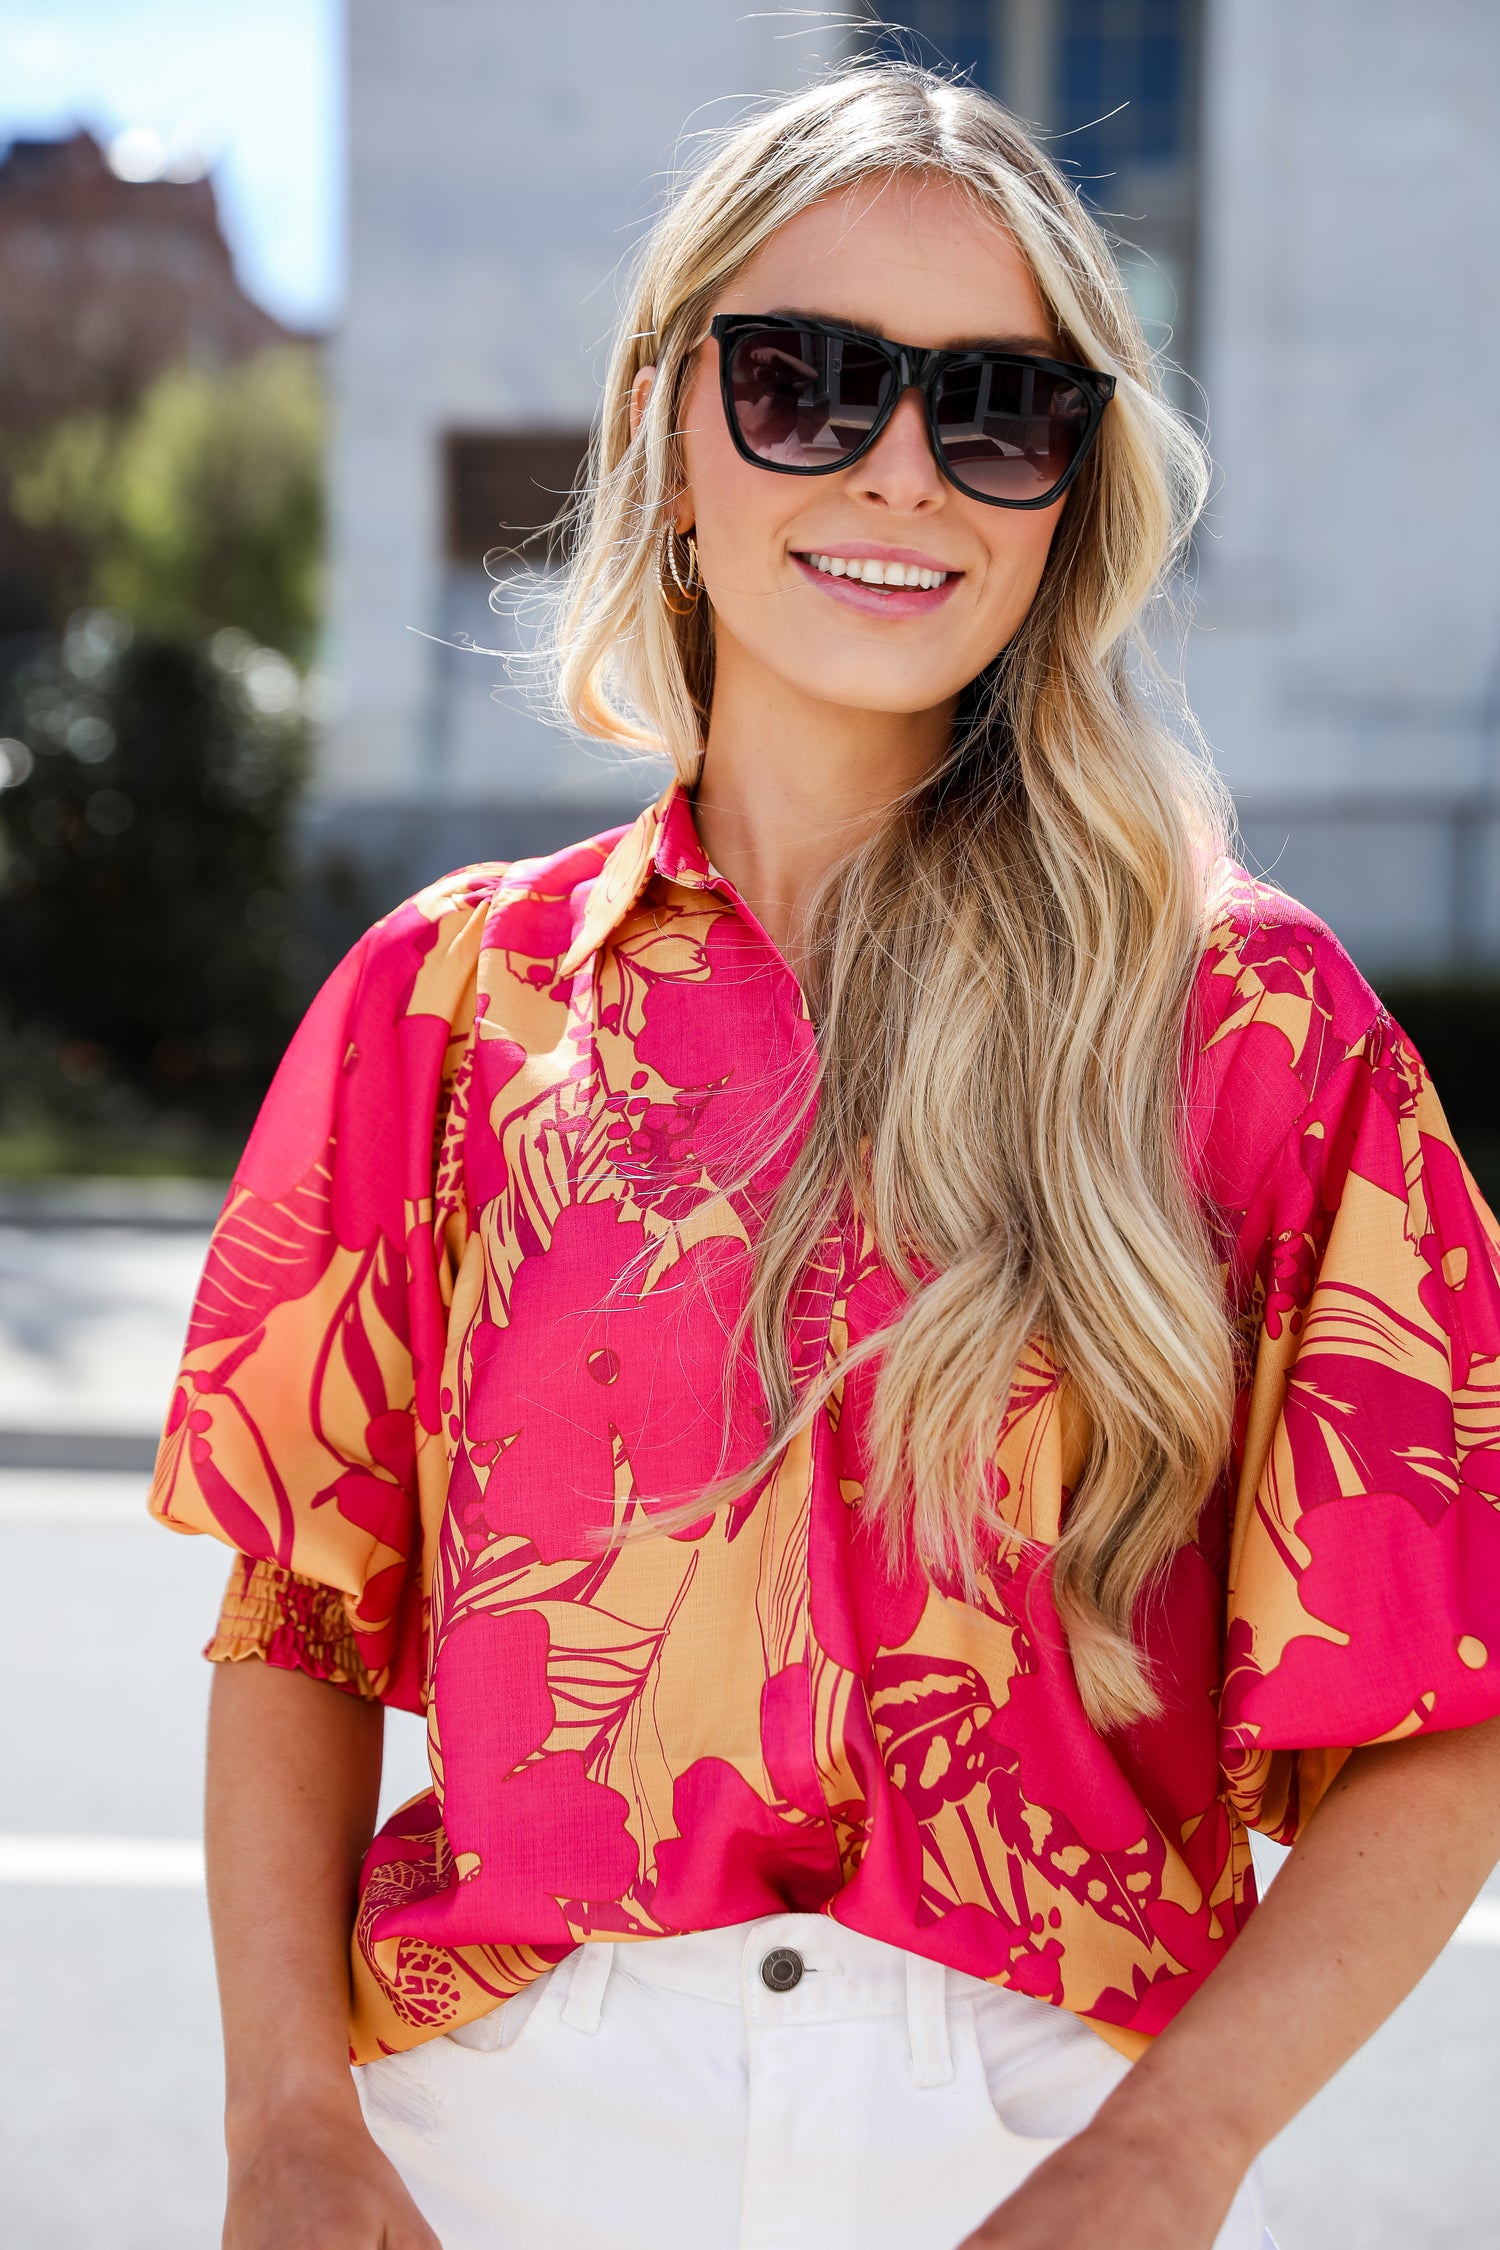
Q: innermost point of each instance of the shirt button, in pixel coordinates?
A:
(781, 1971)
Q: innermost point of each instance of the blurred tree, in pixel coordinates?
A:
(104, 283)
(202, 508)
(149, 958)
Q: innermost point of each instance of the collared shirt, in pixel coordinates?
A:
(472, 1308)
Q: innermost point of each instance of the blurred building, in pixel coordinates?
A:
(503, 160)
(1305, 196)
(1346, 657)
(104, 282)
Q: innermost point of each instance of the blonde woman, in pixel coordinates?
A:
(893, 1355)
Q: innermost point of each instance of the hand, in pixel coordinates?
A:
(1116, 2189)
(317, 2181)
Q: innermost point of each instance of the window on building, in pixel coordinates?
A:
(967, 34)
(1114, 86)
(1125, 83)
(503, 490)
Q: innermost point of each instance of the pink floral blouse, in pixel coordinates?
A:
(468, 1309)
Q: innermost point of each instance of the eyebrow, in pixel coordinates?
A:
(1040, 347)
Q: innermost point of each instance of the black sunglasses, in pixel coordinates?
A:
(806, 397)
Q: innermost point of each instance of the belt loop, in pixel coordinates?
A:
(584, 2005)
(927, 2021)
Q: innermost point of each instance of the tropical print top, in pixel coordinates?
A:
(471, 1307)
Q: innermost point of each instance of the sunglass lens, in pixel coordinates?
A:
(1009, 431)
(804, 400)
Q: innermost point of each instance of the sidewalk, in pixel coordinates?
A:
(110, 2074)
(95, 1280)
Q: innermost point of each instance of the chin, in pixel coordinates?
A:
(862, 688)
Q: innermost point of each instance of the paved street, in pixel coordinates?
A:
(109, 2073)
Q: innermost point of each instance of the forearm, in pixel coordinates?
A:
(1367, 1900)
(293, 1781)
(1373, 1891)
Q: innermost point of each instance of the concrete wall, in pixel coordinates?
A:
(503, 156)
(1346, 657)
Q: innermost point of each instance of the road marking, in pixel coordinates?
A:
(56, 1499)
(158, 1863)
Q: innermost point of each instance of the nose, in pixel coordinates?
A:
(899, 471)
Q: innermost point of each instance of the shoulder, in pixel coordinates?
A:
(1269, 959)
(526, 907)
(1279, 1018)
(376, 1046)
(423, 959)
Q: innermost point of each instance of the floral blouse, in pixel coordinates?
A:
(471, 1307)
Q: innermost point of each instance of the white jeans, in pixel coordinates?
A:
(665, 2096)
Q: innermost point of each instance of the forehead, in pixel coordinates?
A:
(908, 257)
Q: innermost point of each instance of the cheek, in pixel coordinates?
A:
(739, 512)
(1018, 560)
(736, 516)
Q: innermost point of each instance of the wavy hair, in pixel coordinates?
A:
(1001, 972)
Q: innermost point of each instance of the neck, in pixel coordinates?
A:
(789, 786)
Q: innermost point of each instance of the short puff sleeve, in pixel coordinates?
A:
(1364, 1573)
(305, 1424)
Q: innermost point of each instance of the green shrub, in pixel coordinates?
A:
(201, 508)
(150, 964)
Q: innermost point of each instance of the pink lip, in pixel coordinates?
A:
(889, 601)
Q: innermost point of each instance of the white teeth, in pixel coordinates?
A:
(872, 573)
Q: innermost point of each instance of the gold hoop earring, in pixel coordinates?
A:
(691, 587)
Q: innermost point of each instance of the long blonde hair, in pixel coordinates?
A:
(1002, 972)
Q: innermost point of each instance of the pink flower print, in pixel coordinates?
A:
(1416, 1603)
(1348, 1415)
(1249, 1086)
(652, 1145)
(526, 1831)
(1460, 1291)
(740, 1038)
(735, 1857)
(535, 928)
(596, 1379)
(262, 1254)
(932, 1720)
(293, 1131)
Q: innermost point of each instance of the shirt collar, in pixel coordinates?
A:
(660, 841)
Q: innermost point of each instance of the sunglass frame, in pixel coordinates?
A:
(915, 368)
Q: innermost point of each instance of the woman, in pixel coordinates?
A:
(893, 1355)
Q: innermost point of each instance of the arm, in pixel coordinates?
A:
(293, 1778)
(1370, 1895)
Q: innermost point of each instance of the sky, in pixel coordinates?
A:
(257, 88)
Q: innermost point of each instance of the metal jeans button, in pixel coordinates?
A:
(781, 1971)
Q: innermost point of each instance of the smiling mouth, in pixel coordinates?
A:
(887, 576)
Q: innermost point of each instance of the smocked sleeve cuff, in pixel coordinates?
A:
(291, 1622)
